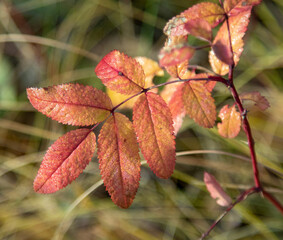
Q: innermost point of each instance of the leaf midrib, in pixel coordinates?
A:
(63, 161)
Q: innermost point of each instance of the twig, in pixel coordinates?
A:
(272, 200)
(242, 197)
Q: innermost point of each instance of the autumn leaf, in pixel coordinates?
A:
(199, 104)
(151, 69)
(175, 55)
(154, 129)
(120, 73)
(65, 160)
(73, 104)
(119, 159)
(234, 7)
(199, 28)
(220, 57)
(210, 12)
(175, 51)
(171, 42)
(209, 85)
(260, 101)
(231, 122)
(172, 94)
(216, 191)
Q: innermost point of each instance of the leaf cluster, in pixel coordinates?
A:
(156, 119)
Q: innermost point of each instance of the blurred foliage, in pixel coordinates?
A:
(47, 42)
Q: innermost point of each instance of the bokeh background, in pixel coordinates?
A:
(48, 42)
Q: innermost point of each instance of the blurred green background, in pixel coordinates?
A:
(47, 42)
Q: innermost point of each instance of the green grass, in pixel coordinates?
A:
(48, 42)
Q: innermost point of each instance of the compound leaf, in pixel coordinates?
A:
(73, 104)
(154, 129)
(216, 191)
(199, 104)
(65, 160)
(260, 101)
(231, 122)
(119, 159)
(210, 12)
(120, 73)
(220, 56)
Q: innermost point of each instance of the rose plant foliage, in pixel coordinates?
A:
(156, 118)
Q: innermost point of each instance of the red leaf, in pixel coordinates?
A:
(220, 56)
(260, 101)
(175, 55)
(172, 41)
(65, 160)
(199, 104)
(233, 7)
(72, 104)
(231, 122)
(153, 127)
(120, 73)
(210, 12)
(119, 159)
(172, 94)
(216, 191)
(222, 51)
(199, 28)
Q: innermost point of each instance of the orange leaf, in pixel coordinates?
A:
(233, 7)
(216, 191)
(220, 56)
(153, 127)
(260, 101)
(210, 12)
(172, 94)
(65, 160)
(120, 73)
(175, 55)
(72, 104)
(119, 159)
(151, 69)
(199, 28)
(209, 85)
(199, 104)
(231, 122)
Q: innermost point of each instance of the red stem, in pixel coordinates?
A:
(247, 129)
(246, 125)
(272, 200)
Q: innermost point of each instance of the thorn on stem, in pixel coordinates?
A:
(244, 114)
